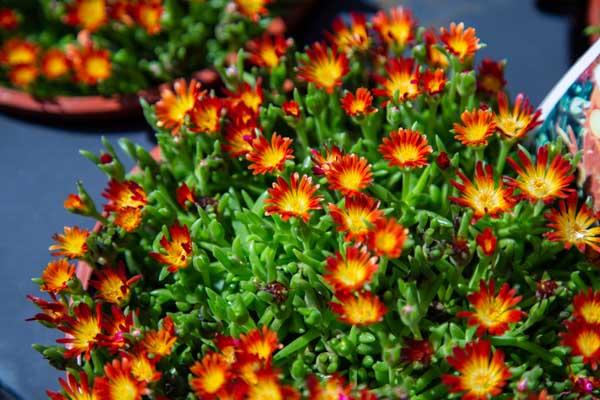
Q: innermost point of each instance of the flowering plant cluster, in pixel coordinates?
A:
(354, 221)
(118, 46)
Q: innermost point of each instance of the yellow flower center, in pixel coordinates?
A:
(142, 369)
(327, 72)
(490, 312)
(123, 388)
(86, 332)
(405, 153)
(403, 85)
(491, 83)
(269, 56)
(74, 244)
(251, 99)
(360, 311)
(91, 13)
(480, 377)
(351, 272)
(400, 32)
(385, 241)
(591, 312)
(98, 67)
(356, 220)
(213, 379)
(56, 66)
(265, 389)
(295, 202)
(459, 45)
(21, 55)
(180, 108)
(476, 132)
(272, 157)
(111, 289)
(351, 180)
(511, 125)
(588, 343)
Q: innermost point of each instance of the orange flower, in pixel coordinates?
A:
(228, 346)
(387, 238)
(584, 340)
(406, 148)
(490, 77)
(17, 51)
(123, 195)
(268, 157)
(239, 137)
(586, 306)
(353, 37)
(83, 329)
(435, 57)
(350, 272)
(295, 199)
(87, 14)
(112, 285)
(91, 65)
(178, 251)
(143, 368)
(460, 41)
(433, 82)
(291, 108)
(322, 162)
(362, 309)
(326, 68)
(477, 126)
(397, 28)
(267, 50)
(251, 97)
(349, 174)
(71, 244)
(148, 13)
(173, 107)
(56, 276)
(334, 388)
(480, 376)
(9, 19)
(128, 218)
(573, 227)
(118, 382)
(542, 181)
(121, 10)
(184, 196)
(402, 79)
(359, 213)
(268, 386)
(260, 342)
(516, 123)
(252, 9)
(23, 75)
(159, 343)
(54, 64)
(117, 329)
(74, 390)
(493, 312)
(53, 312)
(205, 116)
(210, 376)
(359, 104)
(483, 196)
(487, 242)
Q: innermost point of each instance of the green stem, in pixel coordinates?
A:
(505, 146)
(527, 346)
(406, 174)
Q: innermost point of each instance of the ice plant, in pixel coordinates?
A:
(401, 80)
(252, 9)
(119, 383)
(71, 243)
(205, 117)
(159, 343)
(584, 340)
(267, 50)
(476, 127)
(490, 77)
(487, 242)
(572, 226)
(54, 64)
(239, 137)
(350, 271)
(177, 251)
(586, 306)
(261, 343)
(433, 82)
(148, 13)
(356, 216)
(91, 65)
(173, 107)
(358, 104)
(87, 14)
(322, 160)
(112, 285)
(395, 28)
(294, 199)
(325, 67)
(18, 52)
(352, 37)
(83, 329)
(460, 41)
(9, 19)
(269, 156)
(362, 309)
(56, 276)
(350, 174)
(406, 148)
(387, 238)
(515, 123)
(210, 375)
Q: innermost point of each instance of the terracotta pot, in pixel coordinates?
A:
(593, 16)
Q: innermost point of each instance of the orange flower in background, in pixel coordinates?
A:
(326, 68)
(252, 9)
(396, 28)
(112, 285)
(53, 312)
(493, 312)
(352, 37)
(121, 10)
(334, 387)
(260, 342)
(402, 79)
(87, 14)
(74, 389)
(239, 137)
(70, 244)
(54, 64)
(542, 181)
(359, 104)
(268, 386)
(184, 196)
(477, 126)
(362, 309)
(586, 306)
(480, 376)
(433, 82)
(584, 341)
(173, 107)
(122, 195)
(322, 162)
(515, 123)
(83, 330)
(460, 41)
(118, 382)
(387, 238)
(573, 227)
(349, 173)
(178, 251)
(295, 199)
(205, 116)
(56, 276)
(406, 148)
(483, 195)
(435, 57)
(160, 342)
(210, 376)
(356, 217)
(17, 51)
(128, 218)
(23, 75)
(143, 368)
(269, 157)
(251, 97)
(91, 65)
(490, 77)
(487, 242)
(291, 108)
(148, 13)
(345, 273)
(267, 50)
(9, 19)
(228, 346)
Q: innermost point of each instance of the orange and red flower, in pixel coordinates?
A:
(586, 306)
(349, 272)
(143, 368)
(477, 126)
(87, 14)
(361, 309)
(387, 238)
(54, 64)
(396, 28)
(335, 387)
(123, 195)
(205, 116)
(406, 148)
(184, 196)
(352, 37)
(70, 244)
(116, 326)
(118, 383)
(83, 330)
(261, 343)
(251, 97)
(435, 57)
(148, 13)
(239, 137)
(178, 251)
(515, 123)
(210, 376)
(295, 199)
(402, 80)
(322, 162)
(493, 312)
(91, 65)
(268, 386)
(252, 9)
(573, 227)
(160, 343)
(56, 276)
(584, 340)
(349, 173)
(53, 312)
(542, 181)
(490, 77)
(23, 75)
(9, 19)
(359, 213)
(460, 41)
(16, 51)
(416, 351)
(291, 108)
(433, 81)
(112, 285)
(326, 68)
(128, 218)
(267, 50)
(480, 376)
(268, 157)
(487, 242)
(74, 390)
(359, 104)
(173, 107)
(483, 196)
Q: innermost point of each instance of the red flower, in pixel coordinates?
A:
(416, 351)
(433, 82)
(362, 309)
(267, 50)
(54, 64)
(349, 173)
(387, 238)
(71, 244)
(178, 251)
(359, 213)
(56, 276)
(460, 41)
(406, 148)
(148, 13)
(53, 312)
(348, 38)
(23, 75)
(350, 272)
(515, 123)
(584, 340)
(435, 57)
(335, 387)
(359, 104)
(173, 107)
(87, 14)
(268, 157)
(261, 343)
(121, 195)
(477, 126)
(251, 97)
(239, 137)
(16, 51)
(397, 28)
(91, 65)
(487, 242)
(9, 19)
(83, 328)
(210, 376)
(118, 382)
(442, 160)
(322, 162)
(252, 9)
(160, 342)
(205, 116)
(184, 196)
(402, 80)
(586, 306)
(490, 77)
(74, 390)
(268, 386)
(291, 108)
(325, 67)
(112, 285)
(295, 199)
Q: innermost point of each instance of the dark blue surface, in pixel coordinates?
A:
(40, 164)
